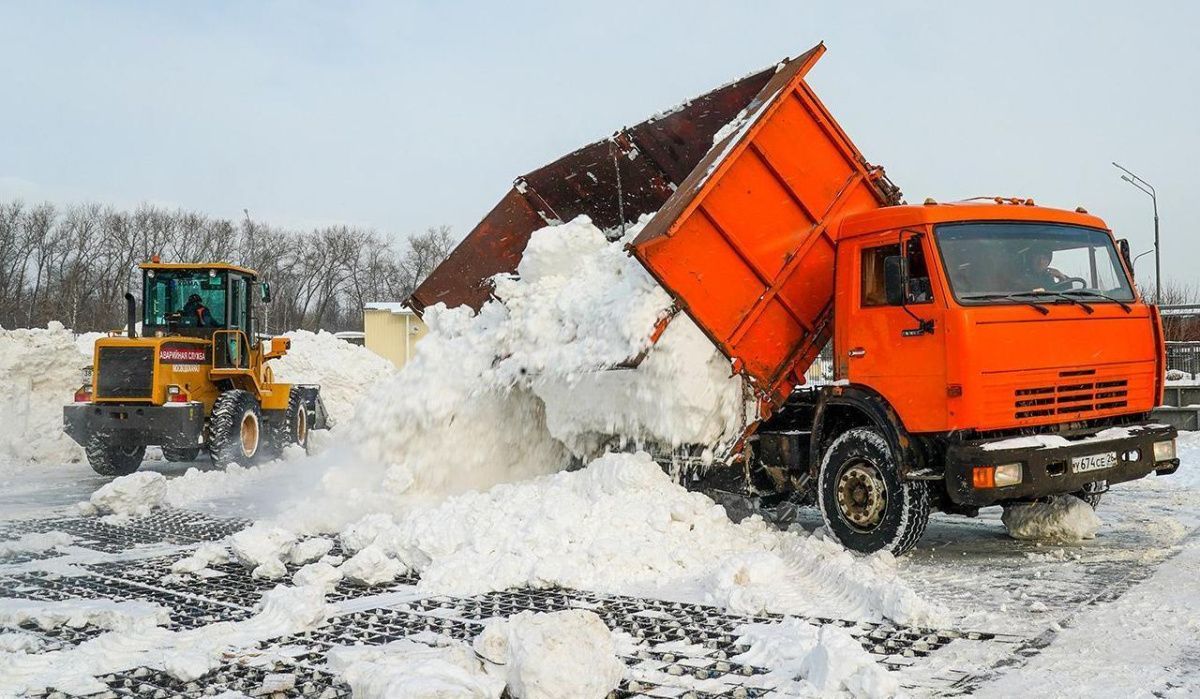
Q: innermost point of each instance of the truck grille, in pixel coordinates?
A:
(1076, 392)
(125, 372)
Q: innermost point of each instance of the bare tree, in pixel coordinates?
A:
(75, 263)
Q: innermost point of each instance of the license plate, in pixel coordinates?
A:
(1093, 462)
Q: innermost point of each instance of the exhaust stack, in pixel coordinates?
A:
(130, 315)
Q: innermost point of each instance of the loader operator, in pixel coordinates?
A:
(196, 314)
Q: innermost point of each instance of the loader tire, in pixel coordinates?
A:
(862, 498)
(292, 427)
(184, 454)
(113, 459)
(234, 432)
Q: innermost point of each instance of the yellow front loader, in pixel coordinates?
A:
(194, 379)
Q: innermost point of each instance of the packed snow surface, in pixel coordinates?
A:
(1062, 519)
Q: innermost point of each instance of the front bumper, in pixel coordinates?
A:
(178, 426)
(1047, 470)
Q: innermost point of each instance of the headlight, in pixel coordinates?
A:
(996, 476)
(1008, 474)
(1164, 450)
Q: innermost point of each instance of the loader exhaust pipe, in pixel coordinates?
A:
(130, 315)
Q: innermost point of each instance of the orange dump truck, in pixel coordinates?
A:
(985, 352)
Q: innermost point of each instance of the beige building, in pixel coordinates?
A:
(392, 331)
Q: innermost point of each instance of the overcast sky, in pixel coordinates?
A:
(404, 115)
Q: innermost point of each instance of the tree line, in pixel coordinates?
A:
(75, 263)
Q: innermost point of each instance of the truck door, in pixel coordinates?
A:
(895, 342)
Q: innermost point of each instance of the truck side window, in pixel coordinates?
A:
(919, 288)
(874, 292)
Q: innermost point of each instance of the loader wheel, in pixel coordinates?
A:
(292, 427)
(234, 431)
(113, 459)
(862, 498)
(184, 454)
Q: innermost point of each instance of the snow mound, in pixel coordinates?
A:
(808, 660)
(569, 653)
(40, 369)
(346, 372)
(414, 671)
(520, 388)
(134, 495)
(1062, 519)
(621, 525)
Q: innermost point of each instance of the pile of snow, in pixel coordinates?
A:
(808, 660)
(40, 370)
(1061, 519)
(529, 656)
(521, 388)
(549, 655)
(346, 372)
(622, 525)
(415, 671)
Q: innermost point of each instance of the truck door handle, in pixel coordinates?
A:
(856, 353)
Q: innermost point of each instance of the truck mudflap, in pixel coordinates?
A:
(1052, 465)
(180, 426)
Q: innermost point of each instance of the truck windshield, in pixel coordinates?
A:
(185, 298)
(995, 262)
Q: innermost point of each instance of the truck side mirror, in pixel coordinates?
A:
(893, 280)
(1123, 246)
(264, 291)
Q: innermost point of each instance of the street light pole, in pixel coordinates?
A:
(1148, 188)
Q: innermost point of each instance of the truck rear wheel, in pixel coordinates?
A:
(292, 426)
(109, 459)
(235, 428)
(862, 499)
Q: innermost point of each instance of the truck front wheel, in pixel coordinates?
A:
(863, 501)
(110, 459)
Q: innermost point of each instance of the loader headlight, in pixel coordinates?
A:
(1164, 450)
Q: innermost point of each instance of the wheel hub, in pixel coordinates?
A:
(249, 434)
(862, 495)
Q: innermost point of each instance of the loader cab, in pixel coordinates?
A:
(208, 301)
(992, 317)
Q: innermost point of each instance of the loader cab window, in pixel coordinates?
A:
(239, 307)
(184, 299)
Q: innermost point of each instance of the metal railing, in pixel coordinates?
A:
(1183, 356)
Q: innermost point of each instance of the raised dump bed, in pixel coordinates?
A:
(746, 244)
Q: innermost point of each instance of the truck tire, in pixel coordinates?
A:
(184, 454)
(863, 501)
(292, 426)
(234, 432)
(113, 459)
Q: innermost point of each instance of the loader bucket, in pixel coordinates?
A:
(614, 181)
(746, 244)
